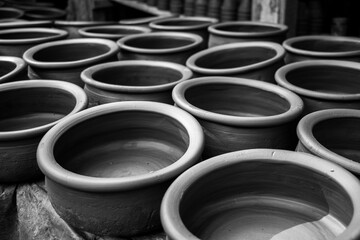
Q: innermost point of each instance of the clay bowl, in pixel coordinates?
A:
(322, 84)
(254, 60)
(66, 59)
(29, 109)
(14, 42)
(126, 156)
(112, 32)
(332, 135)
(262, 194)
(322, 47)
(143, 21)
(246, 31)
(12, 69)
(25, 24)
(159, 46)
(72, 27)
(9, 14)
(45, 13)
(238, 114)
(133, 80)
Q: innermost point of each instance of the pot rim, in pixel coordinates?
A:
(60, 34)
(77, 92)
(307, 138)
(64, 23)
(20, 65)
(29, 54)
(19, 12)
(84, 32)
(55, 172)
(288, 45)
(169, 212)
(197, 40)
(191, 61)
(280, 78)
(294, 111)
(24, 24)
(35, 11)
(142, 20)
(157, 24)
(87, 76)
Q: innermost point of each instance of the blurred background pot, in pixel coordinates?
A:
(143, 21)
(9, 14)
(12, 69)
(112, 32)
(25, 24)
(72, 27)
(133, 80)
(45, 13)
(29, 109)
(126, 155)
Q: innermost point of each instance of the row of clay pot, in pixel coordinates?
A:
(16, 13)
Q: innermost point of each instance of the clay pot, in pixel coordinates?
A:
(159, 46)
(12, 69)
(238, 114)
(29, 109)
(14, 42)
(25, 24)
(246, 31)
(112, 32)
(254, 60)
(9, 14)
(72, 27)
(45, 13)
(126, 156)
(133, 80)
(66, 59)
(143, 21)
(263, 194)
(332, 135)
(322, 47)
(322, 84)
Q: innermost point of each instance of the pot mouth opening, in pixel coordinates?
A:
(182, 23)
(6, 67)
(9, 13)
(159, 42)
(112, 31)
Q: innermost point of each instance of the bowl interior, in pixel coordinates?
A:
(326, 45)
(121, 144)
(26, 35)
(159, 42)
(6, 67)
(247, 28)
(121, 31)
(4, 14)
(183, 23)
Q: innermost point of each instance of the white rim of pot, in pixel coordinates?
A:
(278, 29)
(278, 49)
(306, 137)
(60, 34)
(20, 65)
(87, 76)
(24, 24)
(288, 45)
(54, 171)
(204, 22)
(197, 40)
(19, 12)
(86, 31)
(77, 92)
(29, 54)
(281, 79)
(294, 111)
(170, 215)
(61, 23)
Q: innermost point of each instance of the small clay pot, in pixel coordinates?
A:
(160, 46)
(45, 13)
(246, 31)
(12, 69)
(322, 47)
(332, 134)
(29, 109)
(112, 32)
(238, 114)
(66, 59)
(254, 60)
(133, 80)
(263, 194)
(14, 42)
(126, 155)
(322, 84)
(9, 14)
(72, 27)
(25, 24)
(143, 21)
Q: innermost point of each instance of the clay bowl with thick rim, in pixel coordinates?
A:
(45, 13)
(133, 80)
(112, 32)
(66, 59)
(12, 69)
(262, 194)
(25, 24)
(159, 46)
(314, 47)
(255, 60)
(108, 167)
(29, 109)
(9, 14)
(238, 114)
(72, 27)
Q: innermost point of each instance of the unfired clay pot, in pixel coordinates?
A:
(262, 194)
(238, 113)
(25, 24)
(108, 167)
(12, 69)
(143, 21)
(44, 13)
(29, 109)
(133, 80)
(112, 32)
(72, 27)
(9, 14)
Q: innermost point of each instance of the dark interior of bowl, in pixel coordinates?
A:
(247, 28)
(137, 75)
(258, 200)
(6, 67)
(159, 42)
(340, 135)
(46, 12)
(326, 45)
(33, 107)
(235, 57)
(119, 31)
(236, 100)
(121, 144)
(26, 35)
(183, 23)
(9, 14)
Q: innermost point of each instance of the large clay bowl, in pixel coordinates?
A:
(126, 155)
(14, 42)
(246, 31)
(25, 24)
(29, 109)
(66, 59)
(262, 194)
(45, 13)
(238, 114)
(10, 14)
(112, 32)
(322, 47)
(333, 135)
(254, 60)
(133, 80)
(72, 27)
(322, 84)
(161, 46)
(12, 69)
